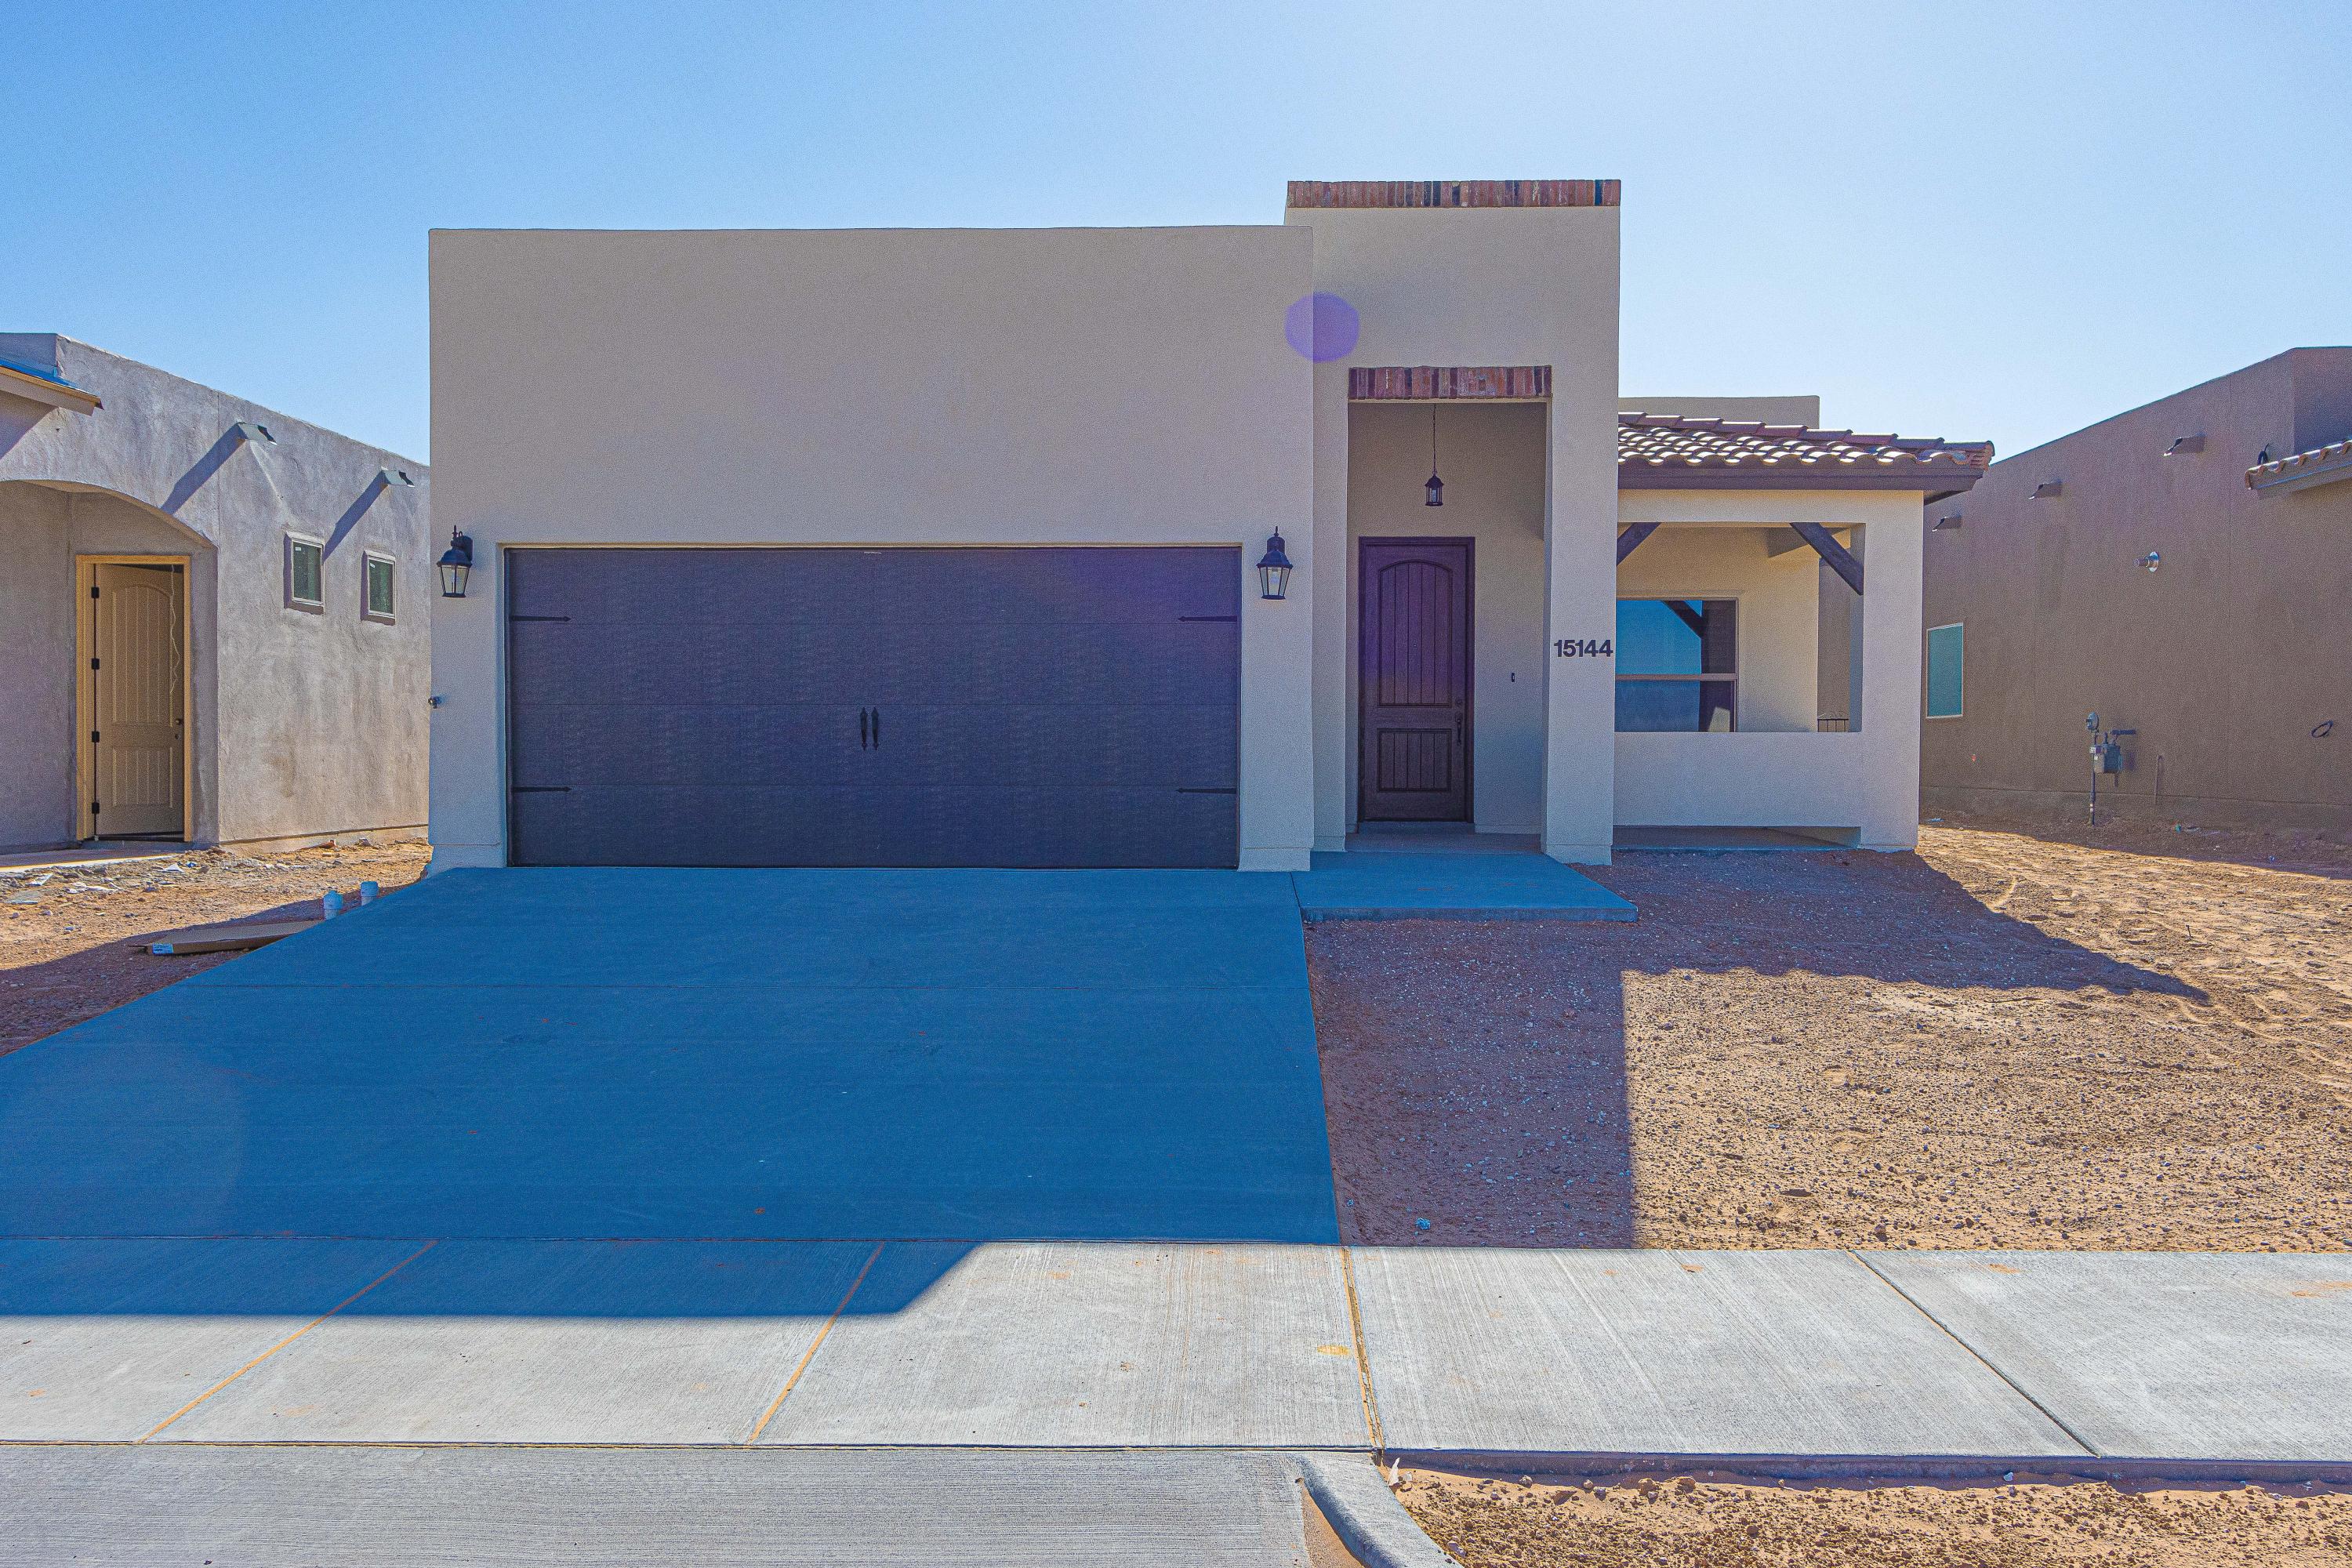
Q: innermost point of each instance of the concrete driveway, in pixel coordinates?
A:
(818, 1160)
(959, 1055)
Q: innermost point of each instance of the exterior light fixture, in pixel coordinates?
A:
(457, 564)
(1274, 570)
(1435, 489)
(2151, 561)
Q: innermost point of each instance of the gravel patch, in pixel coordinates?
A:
(1679, 1523)
(71, 939)
(1998, 1042)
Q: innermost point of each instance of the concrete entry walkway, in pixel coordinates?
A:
(1480, 884)
(569, 1054)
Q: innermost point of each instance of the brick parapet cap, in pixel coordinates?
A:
(1369, 194)
(1424, 383)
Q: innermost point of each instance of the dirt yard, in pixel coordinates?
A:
(72, 950)
(1681, 1523)
(2144, 1041)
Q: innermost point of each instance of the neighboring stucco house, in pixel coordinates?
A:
(213, 618)
(2185, 572)
(939, 547)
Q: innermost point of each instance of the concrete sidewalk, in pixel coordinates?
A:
(1113, 1344)
(393, 1507)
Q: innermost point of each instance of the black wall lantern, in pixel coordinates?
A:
(1274, 570)
(1436, 487)
(457, 564)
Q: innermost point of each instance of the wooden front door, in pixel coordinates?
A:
(138, 683)
(1414, 680)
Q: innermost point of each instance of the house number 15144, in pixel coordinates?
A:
(1585, 648)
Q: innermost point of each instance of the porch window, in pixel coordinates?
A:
(1676, 665)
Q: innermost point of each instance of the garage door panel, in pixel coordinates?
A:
(1037, 707)
(1168, 745)
(689, 825)
(1204, 662)
(917, 827)
(715, 745)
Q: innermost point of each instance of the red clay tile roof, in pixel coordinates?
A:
(1677, 451)
(2303, 470)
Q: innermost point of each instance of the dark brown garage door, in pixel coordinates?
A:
(972, 707)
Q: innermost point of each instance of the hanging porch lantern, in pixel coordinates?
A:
(1435, 489)
(1272, 570)
(457, 564)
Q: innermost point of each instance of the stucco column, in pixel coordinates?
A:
(1332, 649)
(468, 756)
(1580, 603)
(1892, 550)
(1278, 795)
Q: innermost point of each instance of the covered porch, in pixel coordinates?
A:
(1769, 626)
(1764, 649)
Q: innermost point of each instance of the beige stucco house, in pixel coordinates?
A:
(2182, 570)
(925, 547)
(213, 618)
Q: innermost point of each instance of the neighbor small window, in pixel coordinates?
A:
(1676, 665)
(377, 600)
(305, 572)
(1946, 646)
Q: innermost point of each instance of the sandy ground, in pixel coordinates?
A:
(73, 952)
(2143, 1040)
(1678, 1523)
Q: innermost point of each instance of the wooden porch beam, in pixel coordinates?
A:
(1839, 558)
(1631, 539)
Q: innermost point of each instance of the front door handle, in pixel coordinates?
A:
(865, 728)
(877, 729)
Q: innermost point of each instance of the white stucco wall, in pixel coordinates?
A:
(882, 386)
(1486, 286)
(1492, 458)
(1867, 782)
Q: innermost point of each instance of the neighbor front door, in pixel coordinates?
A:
(138, 678)
(1413, 679)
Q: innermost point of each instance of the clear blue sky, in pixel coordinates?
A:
(1947, 219)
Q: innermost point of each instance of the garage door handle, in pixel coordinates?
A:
(864, 730)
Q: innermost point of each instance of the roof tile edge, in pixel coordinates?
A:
(1743, 451)
(2321, 463)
